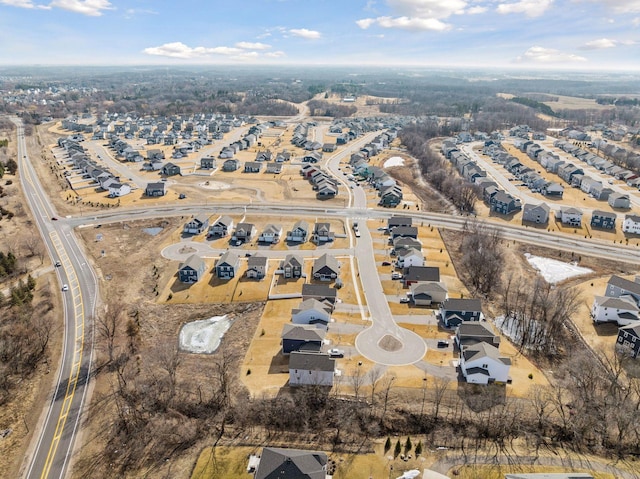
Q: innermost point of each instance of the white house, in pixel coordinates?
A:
(481, 363)
(311, 311)
(571, 216)
(271, 234)
(622, 310)
(119, 189)
(631, 224)
(410, 257)
(311, 369)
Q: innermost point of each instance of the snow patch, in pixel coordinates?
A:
(554, 271)
(393, 161)
(203, 336)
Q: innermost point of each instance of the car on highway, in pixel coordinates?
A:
(65, 287)
(336, 353)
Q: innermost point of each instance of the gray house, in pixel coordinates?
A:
(257, 267)
(326, 268)
(191, 270)
(155, 189)
(618, 286)
(197, 225)
(227, 265)
(244, 232)
(538, 214)
(603, 219)
(208, 163)
(231, 165)
(299, 233)
(291, 463)
(221, 227)
(170, 169)
(454, 311)
(302, 337)
(292, 266)
(619, 200)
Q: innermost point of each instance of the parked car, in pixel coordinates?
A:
(386, 263)
(336, 353)
(53, 218)
(396, 275)
(65, 287)
(443, 344)
(404, 300)
(58, 264)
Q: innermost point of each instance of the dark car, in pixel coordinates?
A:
(443, 344)
(53, 218)
(386, 263)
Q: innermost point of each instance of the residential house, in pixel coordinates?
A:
(322, 233)
(326, 189)
(227, 265)
(538, 214)
(454, 311)
(155, 189)
(628, 341)
(292, 266)
(482, 364)
(208, 163)
(469, 333)
(321, 292)
(231, 164)
(299, 233)
(504, 203)
(554, 190)
(326, 268)
(415, 274)
(603, 219)
(426, 294)
(155, 155)
(302, 337)
(196, 225)
(256, 267)
(622, 310)
(274, 168)
(631, 224)
(396, 221)
(571, 216)
(170, 169)
(221, 227)
(191, 270)
(546, 475)
(618, 286)
(409, 257)
(404, 232)
(619, 200)
(312, 311)
(271, 234)
(244, 232)
(310, 369)
(117, 189)
(279, 463)
(390, 196)
(252, 167)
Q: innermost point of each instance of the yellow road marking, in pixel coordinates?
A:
(77, 359)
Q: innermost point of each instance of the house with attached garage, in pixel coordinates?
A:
(196, 225)
(428, 293)
(619, 200)
(469, 333)
(618, 287)
(311, 369)
(570, 216)
(404, 232)
(227, 265)
(274, 168)
(631, 224)
(391, 196)
(482, 364)
(208, 163)
(504, 203)
(622, 310)
(170, 169)
(155, 189)
(277, 463)
(415, 274)
(292, 266)
(410, 257)
(454, 311)
(271, 234)
(396, 221)
(231, 164)
(191, 270)
(628, 341)
(322, 233)
(603, 220)
(538, 214)
(253, 167)
(244, 232)
(322, 292)
(554, 190)
(312, 311)
(221, 227)
(326, 189)
(302, 337)
(299, 233)
(257, 267)
(326, 268)
(117, 190)
(155, 155)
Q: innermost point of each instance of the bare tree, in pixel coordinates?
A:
(108, 324)
(482, 257)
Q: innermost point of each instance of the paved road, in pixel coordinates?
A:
(49, 456)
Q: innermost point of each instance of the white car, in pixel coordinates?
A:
(336, 353)
(65, 287)
(404, 300)
(396, 275)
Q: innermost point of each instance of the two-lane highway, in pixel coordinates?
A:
(50, 453)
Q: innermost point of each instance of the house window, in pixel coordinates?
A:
(485, 366)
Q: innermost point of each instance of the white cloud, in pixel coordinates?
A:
(180, 50)
(538, 54)
(412, 23)
(427, 8)
(305, 33)
(599, 44)
(365, 22)
(92, 8)
(476, 10)
(253, 46)
(531, 8)
(276, 54)
(23, 4)
(132, 12)
(636, 22)
(619, 6)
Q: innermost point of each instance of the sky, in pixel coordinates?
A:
(593, 35)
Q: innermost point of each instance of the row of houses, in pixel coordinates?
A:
(325, 185)
(89, 169)
(606, 166)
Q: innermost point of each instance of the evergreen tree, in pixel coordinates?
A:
(407, 445)
(387, 444)
(419, 448)
(398, 448)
